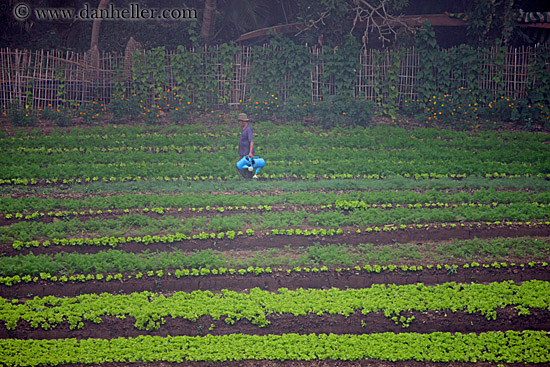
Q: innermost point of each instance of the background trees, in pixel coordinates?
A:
(326, 22)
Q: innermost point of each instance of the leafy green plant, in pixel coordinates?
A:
(21, 115)
(433, 347)
(280, 75)
(255, 305)
(334, 111)
(92, 112)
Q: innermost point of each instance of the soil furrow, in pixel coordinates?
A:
(356, 323)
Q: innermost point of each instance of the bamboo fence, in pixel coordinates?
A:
(47, 79)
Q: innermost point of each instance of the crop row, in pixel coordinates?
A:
(282, 156)
(150, 309)
(192, 164)
(178, 237)
(497, 250)
(119, 149)
(113, 241)
(204, 165)
(360, 204)
(281, 221)
(26, 181)
(451, 269)
(156, 210)
(495, 347)
(340, 204)
(317, 255)
(471, 184)
(34, 153)
(430, 197)
(383, 136)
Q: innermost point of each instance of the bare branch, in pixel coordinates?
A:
(313, 23)
(370, 14)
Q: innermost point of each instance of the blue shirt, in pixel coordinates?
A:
(247, 135)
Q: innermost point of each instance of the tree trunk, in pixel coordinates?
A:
(97, 23)
(208, 21)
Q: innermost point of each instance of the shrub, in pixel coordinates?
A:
(337, 110)
(57, 116)
(21, 115)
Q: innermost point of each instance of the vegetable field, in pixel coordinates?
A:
(379, 246)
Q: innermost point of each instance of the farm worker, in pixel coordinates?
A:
(246, 142)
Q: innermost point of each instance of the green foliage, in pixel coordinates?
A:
(449, 92)
(386, 82)
(265, 104)
(185, 66)
(506, 347)
(281, 73)
(21, 114)
(149, 309)
(226, 57)
(149, 76)
(428, 50)
(194, 76)
(340, 65)
(337, 111)
(539, 92)
(170, 86)
(59, 116)
(490, 21)
(123, 104)
(92, 112)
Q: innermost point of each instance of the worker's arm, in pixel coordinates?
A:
(251, 155)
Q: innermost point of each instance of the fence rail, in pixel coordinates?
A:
(43, 79)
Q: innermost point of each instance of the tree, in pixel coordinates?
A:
(208, 21)
(97, 24)
(488, 21)
(336, 17)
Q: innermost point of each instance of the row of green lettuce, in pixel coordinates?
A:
(493, 347)
(450, 270)
(34, 204)
(290, 222)
(150, 310)
(496, 250)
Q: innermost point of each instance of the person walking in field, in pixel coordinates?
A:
(246, 141)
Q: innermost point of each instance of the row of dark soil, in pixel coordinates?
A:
(357, 323)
